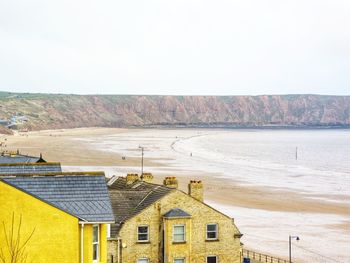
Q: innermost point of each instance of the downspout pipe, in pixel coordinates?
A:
(82, 243)
(118, 250)
(164, 241)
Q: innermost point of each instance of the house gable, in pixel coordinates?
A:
(56, 233)
(227, 247)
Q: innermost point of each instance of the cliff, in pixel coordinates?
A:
(4, 130)
(49, 111)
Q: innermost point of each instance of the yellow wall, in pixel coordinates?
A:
(88, 243)
(56, 236)
(195, 250)
(181, 249)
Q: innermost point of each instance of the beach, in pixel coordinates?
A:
(247, 174)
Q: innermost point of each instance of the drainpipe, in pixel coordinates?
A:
(82, 242)
(118, 250)
(164, 240)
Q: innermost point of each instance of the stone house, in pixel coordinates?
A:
(63, 216)
(159, 223)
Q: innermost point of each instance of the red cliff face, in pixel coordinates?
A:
(69, 111)
(4, 130)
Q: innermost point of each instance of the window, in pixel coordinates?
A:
(95, 243)
(143, 260)
(142, 234)
(212, 259)
(179, 260)
(179, 233)
(212, 231)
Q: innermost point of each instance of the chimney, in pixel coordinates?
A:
(171, 182)
(131, 178)
(147, 177)
(195, 189)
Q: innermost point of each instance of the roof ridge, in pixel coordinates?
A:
(30, 164)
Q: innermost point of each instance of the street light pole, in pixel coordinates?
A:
(290, 249)
(290, 246)
(141, 162)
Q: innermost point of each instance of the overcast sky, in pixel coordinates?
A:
(216, 47)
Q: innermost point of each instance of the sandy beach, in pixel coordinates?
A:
(81, 149)
(63, 146)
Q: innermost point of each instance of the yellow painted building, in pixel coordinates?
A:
(55, 219)
(159, 223)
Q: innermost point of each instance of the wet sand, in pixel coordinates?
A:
(69, 148)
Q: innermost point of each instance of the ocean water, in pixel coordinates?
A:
(264, 158)
(268, 158)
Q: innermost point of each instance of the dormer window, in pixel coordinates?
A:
(143, 233)
(179, 233)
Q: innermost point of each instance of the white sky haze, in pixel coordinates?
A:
(188, 47)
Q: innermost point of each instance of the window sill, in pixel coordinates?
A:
(179, 242)
(143, 242)
(212, 240)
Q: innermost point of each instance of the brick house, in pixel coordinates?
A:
(159, 223)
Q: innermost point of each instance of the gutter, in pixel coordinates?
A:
(96, 223)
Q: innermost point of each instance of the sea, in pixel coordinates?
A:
(312, 164)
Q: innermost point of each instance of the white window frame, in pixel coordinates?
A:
(96, 243)
(138, 260)
(184, 227)
(184, 261)
(216, 232)
(216, 258)
(138, 240)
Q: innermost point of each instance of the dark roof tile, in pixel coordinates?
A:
(19, 158)
(129, 200)
(85, 197)
(31, 168)
(176, 212)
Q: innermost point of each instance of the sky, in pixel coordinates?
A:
(179, 47)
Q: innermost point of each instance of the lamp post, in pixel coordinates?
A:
(141, 162)
(290, 246)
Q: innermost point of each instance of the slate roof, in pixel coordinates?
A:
(29, 168)
(129, 200)
(175, 213)
(85, 197)
(20, 158)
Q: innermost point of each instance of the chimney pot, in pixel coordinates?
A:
(195, 189)
(147, 177)
(171, 182)
(131, 178)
